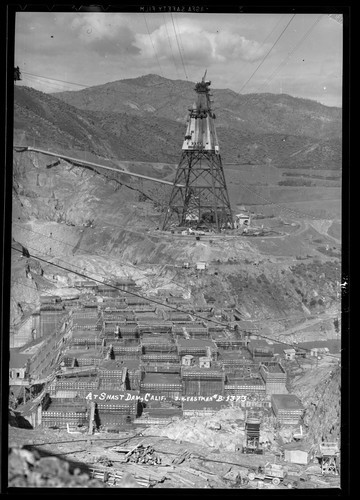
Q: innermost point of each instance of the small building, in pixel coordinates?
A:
(201, 266)
(289, 354)
(242, 220)
(204, 362)
(187, 360)
(18, 366)
(298, 453)
(319, 351)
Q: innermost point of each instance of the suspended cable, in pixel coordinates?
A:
(52, 238)
(276, 318)
(180, 39)
(171, 49)
(177, 41)
(147, 27)
(245, 186)
(55, 79)
(36, 80)
(305, 36)
(268, 53)
(83, 275)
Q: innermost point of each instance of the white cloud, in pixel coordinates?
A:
(104, 33)
(198, 45)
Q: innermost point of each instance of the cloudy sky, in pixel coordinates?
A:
(299, 55)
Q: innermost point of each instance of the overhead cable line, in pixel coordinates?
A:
(177, 41)
(180, 39)
(87, 86)
(55, 79)
(276, 318)
(52, 238)
(170, 44)
(304, 37)
(31, 80)
(147, 27)
(281, 208)
(271, 32)
(83, 275)
(289, 210)
(268, 53)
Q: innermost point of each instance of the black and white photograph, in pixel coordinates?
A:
(176, 258)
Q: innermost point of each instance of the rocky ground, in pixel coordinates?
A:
(108, 226)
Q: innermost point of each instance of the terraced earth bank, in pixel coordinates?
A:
(107, 223)
(286, 280)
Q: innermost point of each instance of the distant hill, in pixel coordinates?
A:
(250, 113)
(144, 119)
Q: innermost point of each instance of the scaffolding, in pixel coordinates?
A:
(329, 458)
(252, 430)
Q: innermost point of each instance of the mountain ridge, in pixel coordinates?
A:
(136, 130)
(255, 113)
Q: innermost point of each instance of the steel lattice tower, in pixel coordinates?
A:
(199, 195)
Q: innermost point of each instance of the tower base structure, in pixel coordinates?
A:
(199, 198)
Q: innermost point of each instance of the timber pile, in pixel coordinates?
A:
(144, 476)
(138, 454)
(144, 455)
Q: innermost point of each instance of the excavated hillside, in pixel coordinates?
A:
(320, 392)
(106, 223)
(89, 222)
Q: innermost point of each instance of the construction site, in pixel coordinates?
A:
(146, 368)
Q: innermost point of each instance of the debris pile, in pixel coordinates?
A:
(144, 455)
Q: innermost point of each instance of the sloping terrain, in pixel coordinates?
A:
(249, 114)
(145, 118)
(94, 220)
(107, 225)
(320, 392)
(255, 128)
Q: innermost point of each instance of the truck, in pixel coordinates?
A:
(269, 472)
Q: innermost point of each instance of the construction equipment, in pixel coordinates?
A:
(270, 472)
(329, 455)
(252, 429)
